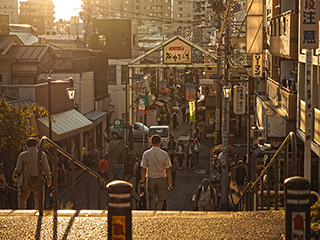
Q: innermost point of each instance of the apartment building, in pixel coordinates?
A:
(10, 7)
(39, 14)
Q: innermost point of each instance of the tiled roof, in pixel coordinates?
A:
(27, 53)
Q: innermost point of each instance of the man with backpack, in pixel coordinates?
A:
(206, 197)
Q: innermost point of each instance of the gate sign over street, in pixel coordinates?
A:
(309, 19)
(118, 123)
(177, 52)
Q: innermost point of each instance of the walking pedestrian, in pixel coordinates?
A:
(27, 165)
(197, 148)
(206, 197)
(196, 134)
(180, 153)
(107, 139)
(156, 168)
(3, 181)
(103, 170)
(174, 168)
(171, 148)
(174, 120)
(183, 110)
(137, 173)
(168, 118)
(189, 150)
(241, 175)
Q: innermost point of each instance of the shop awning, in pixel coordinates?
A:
(65, 125)
(164, 98)
(96, 117)
(160, 104)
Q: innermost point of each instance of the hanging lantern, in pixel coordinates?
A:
(190, 92)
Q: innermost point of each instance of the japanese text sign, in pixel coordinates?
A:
(190, 92)
(239, 100)
(257, 66)
(177, 52)
(192, 107)
(309, 24)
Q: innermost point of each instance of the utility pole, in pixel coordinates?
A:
(225, 130)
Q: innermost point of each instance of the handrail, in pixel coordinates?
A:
(44, 140)
(290, 138)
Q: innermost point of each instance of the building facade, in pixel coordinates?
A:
(10, 7)
(39, 14)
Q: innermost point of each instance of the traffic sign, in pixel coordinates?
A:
(141, 101)
(134, 105)
(142, 112)
(118, 123)
(142, 107)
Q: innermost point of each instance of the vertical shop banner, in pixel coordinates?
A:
(162, 86)
(192, 107)
(190, 92)
(309, 24)
(137, 82)
(239, 100)
(257, 65)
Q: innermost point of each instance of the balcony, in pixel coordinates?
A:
(283, 97)
(283, 34)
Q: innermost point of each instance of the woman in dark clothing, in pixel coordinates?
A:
(180, 153)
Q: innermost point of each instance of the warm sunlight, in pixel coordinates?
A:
(65, 9)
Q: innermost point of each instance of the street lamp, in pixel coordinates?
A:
(225, 146)
(71, 91)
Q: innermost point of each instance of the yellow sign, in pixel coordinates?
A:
(192, 106)
(178, 52)
(118, 227)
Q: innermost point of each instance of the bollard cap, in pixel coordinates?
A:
(119, 187)
(297, 183)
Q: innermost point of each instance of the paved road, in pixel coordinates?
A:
(179, 198)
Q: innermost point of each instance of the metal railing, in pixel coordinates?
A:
(55, 149)
(246, 201)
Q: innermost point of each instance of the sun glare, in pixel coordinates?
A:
(65, 9)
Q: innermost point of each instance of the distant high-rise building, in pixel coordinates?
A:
(39, 14)
(10, 7)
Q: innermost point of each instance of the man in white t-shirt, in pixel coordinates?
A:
(156, 168)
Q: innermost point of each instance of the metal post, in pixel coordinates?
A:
(73, 172)
(119, 210)
(225, 130)
(276, 181)
(130, 111)
(308, 116)
(49, 102)
(268, 188)
(297, 208)
(248, 130)
(55, 180)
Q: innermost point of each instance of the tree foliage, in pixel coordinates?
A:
(15, 129)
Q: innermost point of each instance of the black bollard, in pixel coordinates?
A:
(297, 208)
(119, 210)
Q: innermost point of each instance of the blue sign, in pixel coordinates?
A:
(141, 101)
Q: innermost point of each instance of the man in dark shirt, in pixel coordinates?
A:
(241, 175)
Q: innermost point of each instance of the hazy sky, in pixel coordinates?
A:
(65, 8)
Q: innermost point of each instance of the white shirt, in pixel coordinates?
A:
(155, 160)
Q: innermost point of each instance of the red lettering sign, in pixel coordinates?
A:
(177, 48)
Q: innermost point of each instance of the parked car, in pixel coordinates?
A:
(137, 131)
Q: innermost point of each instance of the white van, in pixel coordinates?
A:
(163, 132)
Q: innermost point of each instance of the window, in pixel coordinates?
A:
(124, 40)
(102, 40)
(124, 74)
(179, 9)
(112, 75)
